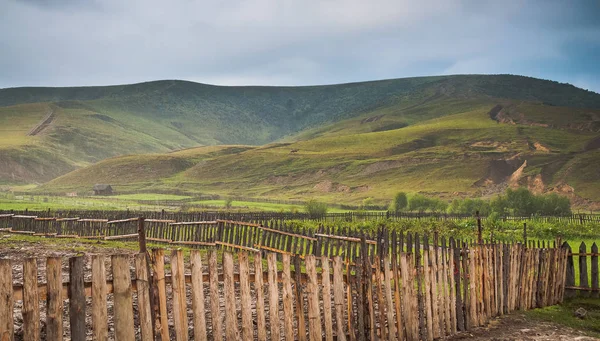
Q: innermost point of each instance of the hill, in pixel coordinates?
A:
(454, 134)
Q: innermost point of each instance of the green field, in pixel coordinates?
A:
(446, 136)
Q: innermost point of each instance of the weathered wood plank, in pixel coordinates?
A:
(6, 301)
(99, 292)
(54, 299)
(261, 326)
(312, 290)
(245, 300)
(389, 303)
(429, 302)
(31, 307)
(327, 311)
(273, 297)
(198, 296)
(288, 298)
(338, 297)
(77, 298)
(215, 313)
(231, 325)
(161, 325)
(123, 308)
(143, 296)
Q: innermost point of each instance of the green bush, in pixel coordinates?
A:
(315, 208)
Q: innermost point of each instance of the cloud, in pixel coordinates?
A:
(274, 42)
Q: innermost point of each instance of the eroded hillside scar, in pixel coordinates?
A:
(45, 122)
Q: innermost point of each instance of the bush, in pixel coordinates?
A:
(418, 202)
(400, 202)
(315, 208)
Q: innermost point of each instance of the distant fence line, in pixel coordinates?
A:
(283, 216)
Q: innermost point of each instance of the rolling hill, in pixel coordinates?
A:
(448, 135)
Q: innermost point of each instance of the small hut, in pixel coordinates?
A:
(102, 189)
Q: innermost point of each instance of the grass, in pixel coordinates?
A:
(563, 314)
(351, 141)
(149, 196)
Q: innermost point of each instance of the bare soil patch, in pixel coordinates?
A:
(518, 327)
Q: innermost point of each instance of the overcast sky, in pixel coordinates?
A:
(289, 42)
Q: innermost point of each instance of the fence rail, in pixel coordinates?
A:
(431, 291)
(283, 216)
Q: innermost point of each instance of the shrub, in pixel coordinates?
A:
(315, 208)
(400, 202)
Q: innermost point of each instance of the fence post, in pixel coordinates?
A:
(479, 229)
(594, 266)
(525, 233)
(570, 273)
(141, 235)
(583, 274)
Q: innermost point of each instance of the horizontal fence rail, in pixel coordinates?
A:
(283, 216)
(432, 290)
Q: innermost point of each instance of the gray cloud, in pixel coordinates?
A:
(274, 42)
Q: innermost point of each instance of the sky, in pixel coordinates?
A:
(294, 42)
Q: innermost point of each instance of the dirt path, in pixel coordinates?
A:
(43, 124)
(518, 327)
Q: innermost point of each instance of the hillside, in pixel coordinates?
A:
(463, 154)
(463, 134)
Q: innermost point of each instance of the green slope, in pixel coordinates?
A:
(462, 154)
(392, 126)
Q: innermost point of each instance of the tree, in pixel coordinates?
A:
(315, 209)
(400, 202)
(228, 203)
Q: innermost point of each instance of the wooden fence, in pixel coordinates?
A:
(582, 271)
(284, 216)
(426, 293)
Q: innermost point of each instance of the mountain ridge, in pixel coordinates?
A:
(415, 119)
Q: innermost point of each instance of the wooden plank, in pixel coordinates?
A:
(31, 307)
(446, 293)
(245, 299)
(473, 318)
(273, 297)
(198, 296)
(122, 221)
(397, 295)
(351, 320)
(6, 301)
(380, 301)
(124, 236)
(77, 298)
(583, 270)
(389, 304)
(231, 325)
(288, 309)
(143, 297)
(338, 297)
(161, 326)
(570, 272)
(288, 234)
(594, 265)
(234, 246)
(54, 299)
(261, 326)
(217, 331)
(299, 297)
(123, 307)
(99, 306)
(312, 290)
(193, 223)
(428, 297)
(179, 296)
(327, 311)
